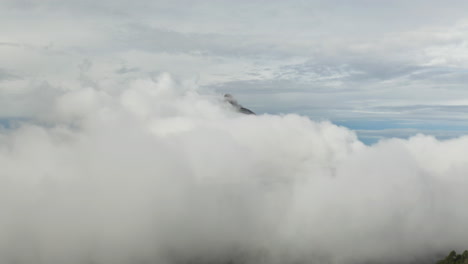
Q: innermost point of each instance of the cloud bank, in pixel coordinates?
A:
(157, 173)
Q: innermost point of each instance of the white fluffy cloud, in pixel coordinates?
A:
(159, 173)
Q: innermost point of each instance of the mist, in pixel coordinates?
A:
(159, 173)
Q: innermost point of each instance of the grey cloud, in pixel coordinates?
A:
(444, 108)
(138, 36)
(444, 77)
(374, 136)
(10, 44)
(5, 75)
(409, 132)
(124, 70)
(36, 102)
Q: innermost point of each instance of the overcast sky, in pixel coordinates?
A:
(400, 66)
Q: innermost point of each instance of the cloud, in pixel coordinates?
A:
(4, 75)
(93, 130)
(124, 70)
(182, 178)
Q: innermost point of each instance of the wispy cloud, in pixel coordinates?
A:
(330, 59)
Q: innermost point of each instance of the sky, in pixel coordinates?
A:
(116, 145)
(398, 67)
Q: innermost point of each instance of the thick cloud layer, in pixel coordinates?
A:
(157, 173)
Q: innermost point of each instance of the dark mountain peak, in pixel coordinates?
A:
(231, 100)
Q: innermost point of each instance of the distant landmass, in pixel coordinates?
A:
(230, 99)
